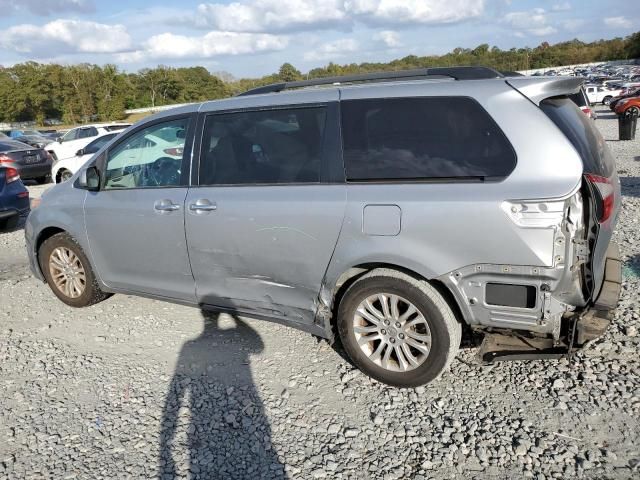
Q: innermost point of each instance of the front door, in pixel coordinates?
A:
(263, 222)
(135, 223)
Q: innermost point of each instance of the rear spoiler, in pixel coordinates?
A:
(537, 89)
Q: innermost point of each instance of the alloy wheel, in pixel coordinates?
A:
(392, 332)
(67, 272)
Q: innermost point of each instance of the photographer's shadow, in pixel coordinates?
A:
(214, 425)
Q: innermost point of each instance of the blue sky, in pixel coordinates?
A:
(254, 37)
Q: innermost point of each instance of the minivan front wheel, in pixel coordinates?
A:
(397, 329)
(67, 271)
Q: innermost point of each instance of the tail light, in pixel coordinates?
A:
(586, 111)
(174, 151)
(605, 196)
(5, 159)
(11, 175)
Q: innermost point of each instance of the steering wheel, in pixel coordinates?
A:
(163, 171)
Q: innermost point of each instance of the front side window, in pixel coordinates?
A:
(70, 135)
(423, 138)
(145, 159)
(263, 147)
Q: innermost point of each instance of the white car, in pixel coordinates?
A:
(79, 137)
(64, 169)
(600, 94)
(151, 148)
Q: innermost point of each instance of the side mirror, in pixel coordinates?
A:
(89, 179)
(59, 139)
(80, 152)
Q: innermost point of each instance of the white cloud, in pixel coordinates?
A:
(332, 50)
(393, 12)
(389, 38)
(270, 15)
(561, 7)
(65, 36)
(573, 24)
(292, 15)
(171, 46)
(532, 22)
(46, 7)
(617, 22)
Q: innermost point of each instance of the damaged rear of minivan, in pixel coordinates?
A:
(587, 285)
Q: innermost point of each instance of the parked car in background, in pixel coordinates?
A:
(31, 163)
(628, 93)
(79, 137)
(64, 169)
(15, 133)
(377, 212)
(599, 94)
(36, 141)
(14, 198)
(631, 104)
(53, 134)
(581, 100)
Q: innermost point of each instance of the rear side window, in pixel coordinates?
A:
(582, 133)
(263, 147)
(423, 138)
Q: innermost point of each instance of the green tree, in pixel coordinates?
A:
(289, 73)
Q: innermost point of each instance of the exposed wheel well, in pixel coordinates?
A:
(353, 274)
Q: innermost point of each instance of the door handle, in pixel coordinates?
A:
(166, 206)
(203, 205)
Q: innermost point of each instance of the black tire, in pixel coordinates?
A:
(92, 293)
(606, 100)
(631, 110)
(444, 328)
(63, 175)
(43, 180)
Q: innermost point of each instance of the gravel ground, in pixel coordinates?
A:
(134, 388)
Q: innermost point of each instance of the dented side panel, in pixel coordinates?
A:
(265, 248)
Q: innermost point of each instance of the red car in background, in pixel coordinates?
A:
(628, 105)
(630, 92)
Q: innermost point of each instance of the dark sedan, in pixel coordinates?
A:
(31, 163)
(14, 198)
(37, 141)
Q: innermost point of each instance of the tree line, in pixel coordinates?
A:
(87, 92)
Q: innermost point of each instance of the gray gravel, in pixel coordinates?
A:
(133, 388)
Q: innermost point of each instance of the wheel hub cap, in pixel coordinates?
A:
(392, 332)
(67, 272)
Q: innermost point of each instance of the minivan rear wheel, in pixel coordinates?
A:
(397, 329)
(68, 273)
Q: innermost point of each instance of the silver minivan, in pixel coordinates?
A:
(388, 211)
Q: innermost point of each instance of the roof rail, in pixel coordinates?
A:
(457, 73)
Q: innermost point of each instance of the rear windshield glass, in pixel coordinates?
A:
(7, 146)
(582, 133)
(423, 138)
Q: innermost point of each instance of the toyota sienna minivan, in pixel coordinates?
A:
(389, 211)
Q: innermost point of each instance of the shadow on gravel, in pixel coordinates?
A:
(214, 425)
(630, 186)
(4, 228)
